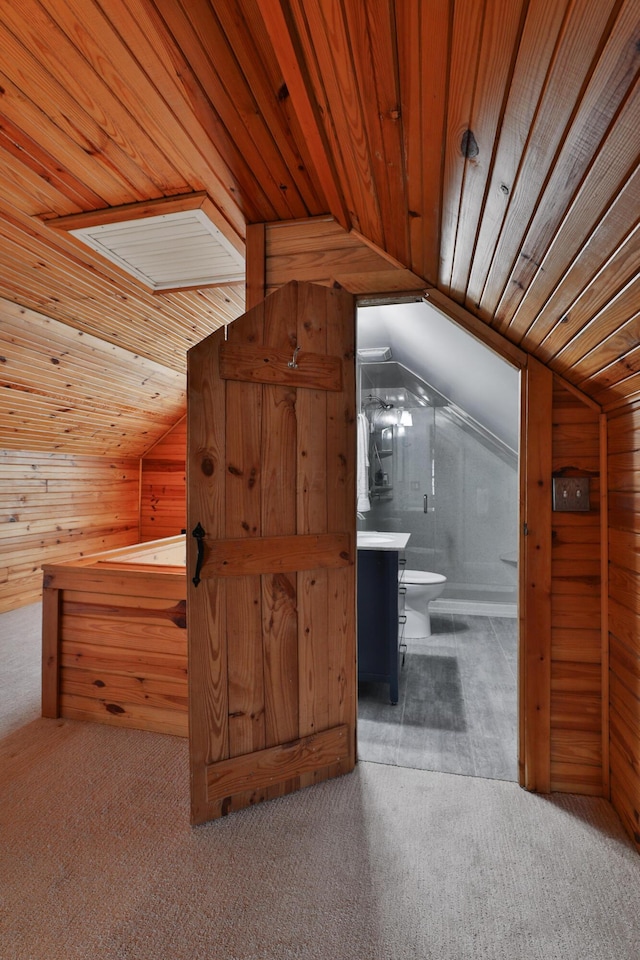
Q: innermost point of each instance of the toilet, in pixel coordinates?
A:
(421, 588)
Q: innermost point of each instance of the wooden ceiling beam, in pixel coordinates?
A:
(322, 25)
(371, 28)
(287, 46)
(423, 38)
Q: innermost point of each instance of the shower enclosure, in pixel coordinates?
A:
(438, 474)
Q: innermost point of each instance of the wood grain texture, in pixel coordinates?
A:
(287, 115)
(322, 251)
(279, 590)
(265, 768)
(58, 506)
(488, 148)
(163, 487)
(535, 671)
(287, 661)
(234, 558)
(206, 482)
(50, 653)
(116, 658)
(100, 399)
(624, 619)
(287, 369)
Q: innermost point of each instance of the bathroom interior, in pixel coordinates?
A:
(438, 432)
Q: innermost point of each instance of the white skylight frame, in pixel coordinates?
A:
(168, 251)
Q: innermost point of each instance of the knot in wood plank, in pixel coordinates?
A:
(469, 145)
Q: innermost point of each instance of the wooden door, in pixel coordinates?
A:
(272, 600)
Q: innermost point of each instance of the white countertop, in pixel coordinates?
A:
(374, 540)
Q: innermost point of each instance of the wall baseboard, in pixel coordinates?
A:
(476, 608)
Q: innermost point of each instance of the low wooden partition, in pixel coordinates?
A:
(115, 640)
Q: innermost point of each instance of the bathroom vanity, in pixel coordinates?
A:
(379, 609)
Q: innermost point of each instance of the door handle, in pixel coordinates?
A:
(199, 534)
(424, 503)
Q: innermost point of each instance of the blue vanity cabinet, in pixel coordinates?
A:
(378, 652)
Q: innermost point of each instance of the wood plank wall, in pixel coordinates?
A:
(319, 250)
(58, 506)
(624, 614)
(576, 656)
(115, 647)
(163, 492)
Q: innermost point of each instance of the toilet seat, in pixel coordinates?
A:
(421, 576)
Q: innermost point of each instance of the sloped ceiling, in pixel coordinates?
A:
(491, 146)
(421, 338)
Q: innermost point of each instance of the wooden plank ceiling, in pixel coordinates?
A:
(491, 146)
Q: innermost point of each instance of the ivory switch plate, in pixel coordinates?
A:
(571, 493)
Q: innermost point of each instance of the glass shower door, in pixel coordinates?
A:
(401, 452)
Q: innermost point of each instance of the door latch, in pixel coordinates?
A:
(199, 533)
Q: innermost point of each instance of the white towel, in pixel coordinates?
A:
(363, 464)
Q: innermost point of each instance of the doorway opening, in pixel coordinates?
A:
(438, 460)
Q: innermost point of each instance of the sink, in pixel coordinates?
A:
(368, 536)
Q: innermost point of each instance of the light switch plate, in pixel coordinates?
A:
(571, 493)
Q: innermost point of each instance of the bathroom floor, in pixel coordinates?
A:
(457, 710)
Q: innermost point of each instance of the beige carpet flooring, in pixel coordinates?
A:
(20, 659)
(98, 862)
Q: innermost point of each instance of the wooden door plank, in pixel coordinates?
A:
(243, 594)
(273, 552)
(341, 500)
(243, 523)
(313, 617)
(279, 590)
(245, 671)
(262, 364)
(312, 507)
(280, 626)
(237, 558)
(257, 771)
(206, 462)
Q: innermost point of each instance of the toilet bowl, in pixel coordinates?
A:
(421, 587)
